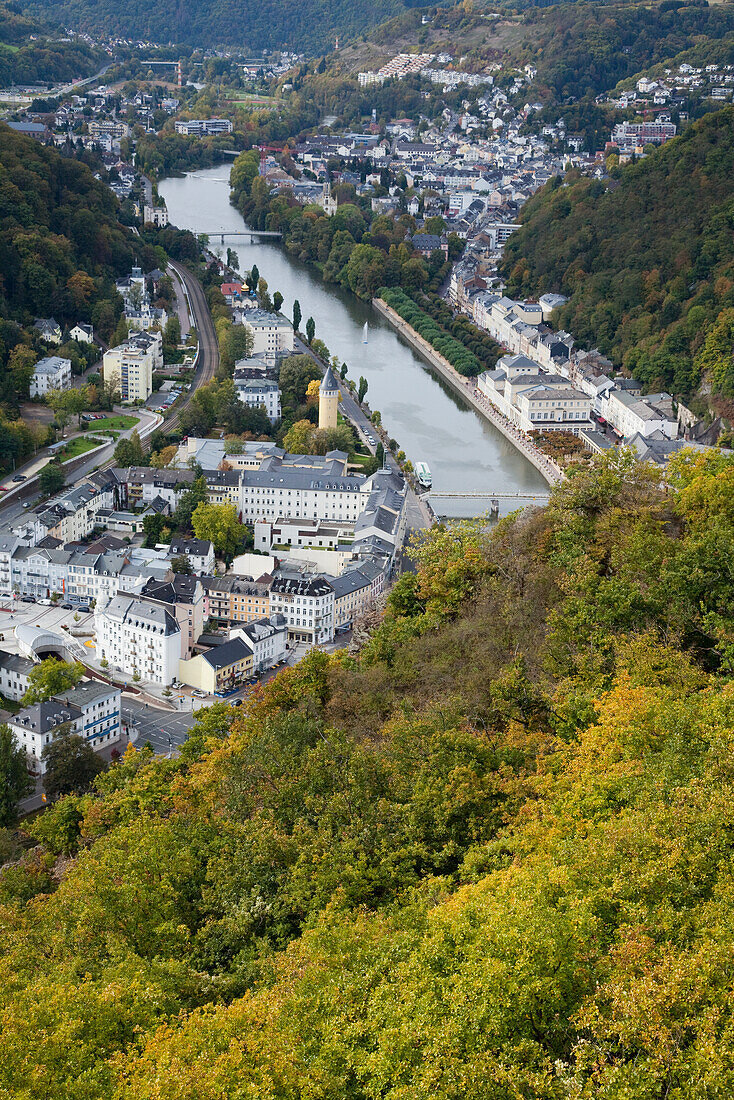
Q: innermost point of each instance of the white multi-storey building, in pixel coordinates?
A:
(271, 332)
(260, 393)
(138, 636)
(307, 603)
(51, 373)
(14, 671)
(90, 709)
(203, 127)
(267, 638)
(265, 494)
(130, 365)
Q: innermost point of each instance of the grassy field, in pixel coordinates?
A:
(118, 422)
(78, 446)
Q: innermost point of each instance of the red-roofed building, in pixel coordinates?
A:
(231, 291)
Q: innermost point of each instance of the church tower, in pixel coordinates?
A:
(328, 400)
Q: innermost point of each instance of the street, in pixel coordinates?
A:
(156, 726)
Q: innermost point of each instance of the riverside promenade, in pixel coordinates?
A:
(466, 388)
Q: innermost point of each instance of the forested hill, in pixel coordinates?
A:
(61, 246)
(308, 26)
(31, 54)
(488, 857)
(647, 259)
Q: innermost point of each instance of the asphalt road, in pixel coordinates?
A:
(208, 346)
(157, 726)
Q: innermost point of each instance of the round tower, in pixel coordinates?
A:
(328, 400)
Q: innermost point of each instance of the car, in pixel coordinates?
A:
(46, 602)
(20, 477)
(84, 608)
(28, 599)
(65, 606)
(199, 694)
(237, 703)
(26, 504)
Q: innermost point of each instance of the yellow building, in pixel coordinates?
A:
(328, 400)
(221, 669)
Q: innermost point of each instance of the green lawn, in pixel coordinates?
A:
(78, 446)
(119, 422)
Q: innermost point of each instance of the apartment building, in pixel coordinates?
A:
(271, 332)
(183, 597)
(267, 638)
(138, 636)
(14, 672)
(199, 553)
(130, 365)
(297, 493)
(259, 393)
(91, 709)
(307, 604)
(51, 373)
(233, 599)
(297, 533)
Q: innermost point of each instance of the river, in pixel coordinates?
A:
(429, 421)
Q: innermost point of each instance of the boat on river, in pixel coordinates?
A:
(364, 333)
(423, 474)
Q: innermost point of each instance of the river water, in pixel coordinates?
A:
(429, 421)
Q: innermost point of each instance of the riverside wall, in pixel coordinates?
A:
(466, 388)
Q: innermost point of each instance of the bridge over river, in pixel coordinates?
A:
(489, 494)
(247, 234)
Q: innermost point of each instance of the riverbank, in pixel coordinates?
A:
(464, 386)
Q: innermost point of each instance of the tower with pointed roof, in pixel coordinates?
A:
(328, 400)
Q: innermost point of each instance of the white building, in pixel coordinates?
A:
(267, 638)
(130, 365)
(308, 606)
(91, 709)
(271, 332)
(83, 334)
(155, 215)
(630, 414)
(198, 552)
(293, 492)
(51, 373)
(203, 127)
(260, 393)
(14, 671)
(136, 635)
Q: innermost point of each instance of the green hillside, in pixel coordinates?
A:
(490, 857)
(31, 54)
(647, 260)
(303, 25)
(61, 248)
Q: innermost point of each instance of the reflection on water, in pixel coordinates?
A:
(429, 421)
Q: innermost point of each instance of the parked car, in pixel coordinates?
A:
(84, 608)
(65, 606)
(198, 693)
(20, 477)
(46, 602)
(28, 599)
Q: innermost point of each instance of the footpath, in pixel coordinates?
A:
(467, 389)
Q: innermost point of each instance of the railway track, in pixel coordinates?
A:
(207, 355)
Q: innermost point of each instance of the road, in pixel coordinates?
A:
(12, 501)
(157, 726)
(208, 354)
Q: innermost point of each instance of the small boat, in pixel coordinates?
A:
(423, 474)
(364, 333)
